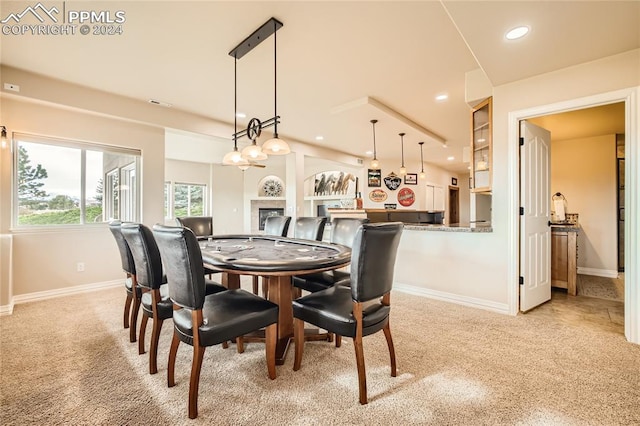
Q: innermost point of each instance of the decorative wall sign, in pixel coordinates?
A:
(271, 186)
(391, 206)
(334, 183)
(411, 179)
(406, 197)
(374, 179)
(392, 181)
(454, 181)
(377, 195)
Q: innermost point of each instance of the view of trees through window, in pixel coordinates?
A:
(60, 184)
(188, 199)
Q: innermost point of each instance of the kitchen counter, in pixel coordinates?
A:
(564, 256)
(454, 227)
(565, 227)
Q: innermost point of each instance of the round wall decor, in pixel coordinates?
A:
(377, 195)
(271, 186)
(406, 197)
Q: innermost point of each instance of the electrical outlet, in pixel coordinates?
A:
(80, 267)
(12, 87)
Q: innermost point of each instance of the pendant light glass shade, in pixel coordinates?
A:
(234, 158)
(275, 146)
(253, 152)
(423, 175)
(375, 164)
(403, 169)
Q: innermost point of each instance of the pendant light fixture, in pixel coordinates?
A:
(234, 158)
(275, 145)
(403, 169)
(375, 164)
(422, 173)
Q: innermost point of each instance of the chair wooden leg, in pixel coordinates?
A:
(392, 351)
(357, 343)
(271, 334)
(254, 280)
(171, 367)
(225, 345)
(143, 329)
(362, 375)
(127, 309)
(153, 351)
(265, 289)
(194, 382)
(134, 318)
(239, 344)
(298, 337)
(338, 340)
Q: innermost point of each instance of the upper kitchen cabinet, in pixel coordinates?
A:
(481, 136)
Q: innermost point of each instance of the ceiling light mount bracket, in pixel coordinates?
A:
(256, 37)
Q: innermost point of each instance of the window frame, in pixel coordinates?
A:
(171, 202)
(83, 147)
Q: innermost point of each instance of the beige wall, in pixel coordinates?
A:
(46, 260)
(584, 171)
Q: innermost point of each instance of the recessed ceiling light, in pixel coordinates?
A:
(468, 167)
(442, 97)
(517, 32)
(319, 138)
(241, 115)
(444, 145)
(451, 158)
(369, 153)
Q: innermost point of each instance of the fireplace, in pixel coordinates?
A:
(265, 212)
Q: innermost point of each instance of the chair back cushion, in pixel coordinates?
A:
(184, 269)
(373, 259)
(200, 225)
(277, 225)
(128, 264)
(309, 228)
(343, 229)
(145, 253)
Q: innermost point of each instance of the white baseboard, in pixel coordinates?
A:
(67, 291)
(6, 309)
(487, 305)
(607, 273)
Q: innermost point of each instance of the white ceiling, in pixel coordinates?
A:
(401, 54)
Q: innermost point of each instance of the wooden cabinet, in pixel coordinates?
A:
(564, 257)
(481, 142)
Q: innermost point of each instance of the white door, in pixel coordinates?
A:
(429, 198)
(535, 233)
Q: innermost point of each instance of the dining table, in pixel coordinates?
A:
(277, 260)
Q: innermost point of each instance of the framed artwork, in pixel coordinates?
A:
(392, 181)
(373, 178)
(411, 179)
(454, 181)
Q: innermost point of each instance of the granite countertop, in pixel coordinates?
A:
(565, 227)
(454, 227)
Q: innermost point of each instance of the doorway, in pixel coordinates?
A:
(628, 98)
(454, 205)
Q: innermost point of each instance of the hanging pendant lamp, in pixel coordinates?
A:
(234, 158)
(375, 164)
(403, 169)
(422, 173)
(275, 145)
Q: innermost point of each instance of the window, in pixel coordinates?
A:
(61, 182)
(185, 200)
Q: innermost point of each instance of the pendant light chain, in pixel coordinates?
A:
(275, 81)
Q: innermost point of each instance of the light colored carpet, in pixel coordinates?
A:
(601, 287)
(68, 361)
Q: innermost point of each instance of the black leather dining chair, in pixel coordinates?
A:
(202, 226)
(207, 320)
(309, 228)
(277, 226)
(363, 307)
(343, 231)
(149, 273)
(130, 285)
